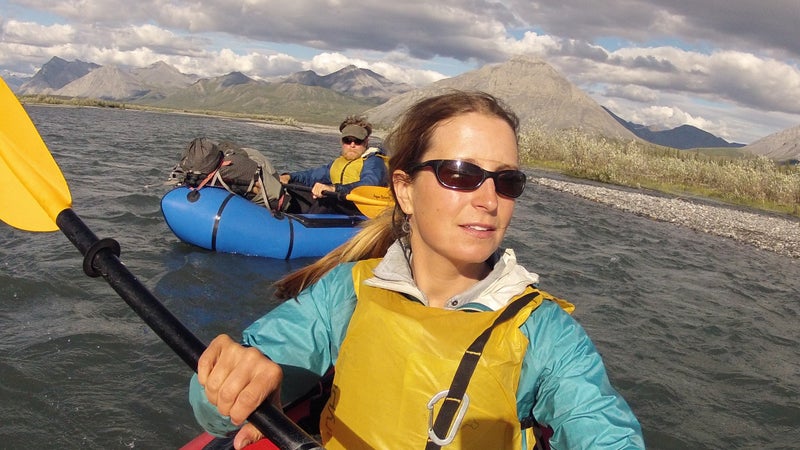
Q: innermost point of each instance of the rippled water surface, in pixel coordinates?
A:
(699, 333)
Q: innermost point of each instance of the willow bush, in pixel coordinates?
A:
(754, 181)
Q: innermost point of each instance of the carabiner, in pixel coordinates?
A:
(451, 433)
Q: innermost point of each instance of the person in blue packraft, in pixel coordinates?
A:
(358, 165)
(437, 336)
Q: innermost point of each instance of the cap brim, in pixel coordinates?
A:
(355, 131)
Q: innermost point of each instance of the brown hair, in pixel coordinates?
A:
(361, 121)
(407, 144)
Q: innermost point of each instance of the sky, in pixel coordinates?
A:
(729, 67)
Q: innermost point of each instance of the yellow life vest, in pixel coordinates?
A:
(398, 355)
(345, 172)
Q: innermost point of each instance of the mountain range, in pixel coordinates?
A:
(684, 137)
(532, 88)
(55, 74)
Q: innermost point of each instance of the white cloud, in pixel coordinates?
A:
(632, 92)
(736, 55)
(411, 76)
(670, 117)
(531, 43)
(34, 34)
(759, 82)
(326, 63)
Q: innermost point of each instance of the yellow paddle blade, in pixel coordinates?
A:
(33, 190)
(371, 211)
(371, 200)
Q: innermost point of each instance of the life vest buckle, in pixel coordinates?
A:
(451, 433)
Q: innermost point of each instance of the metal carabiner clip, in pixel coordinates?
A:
(451, 433)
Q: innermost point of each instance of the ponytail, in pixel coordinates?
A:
(371, 241)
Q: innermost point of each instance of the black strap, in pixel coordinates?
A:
(217, 218)
(290, 219)
(458, 387)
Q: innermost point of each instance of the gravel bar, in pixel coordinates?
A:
(763, 230)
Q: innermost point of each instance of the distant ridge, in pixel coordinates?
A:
(13, 81)
(306, 96)
(55, 74)
(684, 137)
(238, 93)
(162, 77)
(106, 83)
(351, 80)
(234, 79)
(781, 146)
(87, 80)
(533, 89)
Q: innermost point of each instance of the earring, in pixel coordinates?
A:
(405, 227)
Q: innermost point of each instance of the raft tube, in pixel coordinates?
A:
(215, 219)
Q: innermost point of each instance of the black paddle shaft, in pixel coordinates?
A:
(301, 187)
(102, 259)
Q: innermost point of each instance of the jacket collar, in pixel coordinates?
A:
(506, 280)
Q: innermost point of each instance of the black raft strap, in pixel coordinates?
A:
(458, 387)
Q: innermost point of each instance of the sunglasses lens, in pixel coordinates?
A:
(510, 183)
(349, 140)
(460, 174)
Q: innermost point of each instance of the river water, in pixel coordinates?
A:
(699, 333)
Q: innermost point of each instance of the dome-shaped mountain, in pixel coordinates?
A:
(539, 95)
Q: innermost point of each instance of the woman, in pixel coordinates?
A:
(423, 282)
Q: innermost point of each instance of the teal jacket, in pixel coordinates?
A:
(563, 382)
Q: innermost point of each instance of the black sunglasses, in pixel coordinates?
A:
(465, 176)
(347, 140)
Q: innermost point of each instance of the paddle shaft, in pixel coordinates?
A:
(362, 196)
(302, 187)
(267, 418)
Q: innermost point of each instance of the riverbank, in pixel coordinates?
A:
(763, 230)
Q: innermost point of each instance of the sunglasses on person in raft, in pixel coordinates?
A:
(347, 140)
(465, 176)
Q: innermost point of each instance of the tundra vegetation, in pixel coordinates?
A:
(728, 176)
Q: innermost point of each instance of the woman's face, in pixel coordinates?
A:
(460, 227)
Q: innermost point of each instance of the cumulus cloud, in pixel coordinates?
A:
(668, 116)
(326, 63)
(736, 77)
(36, 35)
(763, 83)
(766, 26)
(632, 92)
